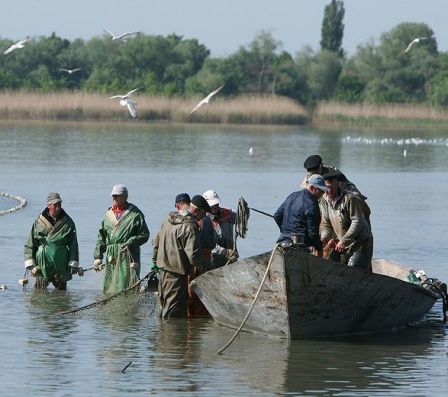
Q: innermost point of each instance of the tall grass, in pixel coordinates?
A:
(245, 109)
(92, 106)
(359, 113)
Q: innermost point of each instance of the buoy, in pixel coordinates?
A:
(3, 287)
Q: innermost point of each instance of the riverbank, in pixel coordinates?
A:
(245, 109)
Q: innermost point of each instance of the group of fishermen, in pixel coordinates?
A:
(329, 214)
(196, 237)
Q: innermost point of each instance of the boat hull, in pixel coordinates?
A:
(306, 296)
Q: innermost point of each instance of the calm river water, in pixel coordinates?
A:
(403, 173)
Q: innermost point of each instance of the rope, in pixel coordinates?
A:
(436, 284)
(21, 200)
(253, 303)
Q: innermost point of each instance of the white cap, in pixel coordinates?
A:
(118, 190)
(212, 197)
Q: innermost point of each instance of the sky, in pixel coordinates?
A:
(222, 26)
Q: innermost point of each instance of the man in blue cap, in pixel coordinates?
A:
(299, 217)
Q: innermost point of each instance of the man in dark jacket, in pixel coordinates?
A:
(299, 217)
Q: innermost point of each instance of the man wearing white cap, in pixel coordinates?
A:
(299, 216)
(223, 220)
(51, 251)
(122, 232)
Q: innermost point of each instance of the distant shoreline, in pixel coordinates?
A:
(245, 109)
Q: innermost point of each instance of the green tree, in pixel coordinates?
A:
(332, 30)
(391, 75)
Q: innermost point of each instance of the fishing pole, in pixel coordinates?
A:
(261, 212)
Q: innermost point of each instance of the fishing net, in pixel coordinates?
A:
(139, 299)
(242, 218)
(5, 203)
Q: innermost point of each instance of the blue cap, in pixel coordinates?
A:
(318, 181)
(182, 198)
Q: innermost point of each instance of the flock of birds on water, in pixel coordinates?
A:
(125, 100)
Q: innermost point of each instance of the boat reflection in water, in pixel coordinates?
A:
(379, 362)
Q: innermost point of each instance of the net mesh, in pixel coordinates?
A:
(138, 299)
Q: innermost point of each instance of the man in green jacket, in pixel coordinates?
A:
(122, 232)
(51, 251)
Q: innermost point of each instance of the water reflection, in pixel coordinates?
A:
(85, 354)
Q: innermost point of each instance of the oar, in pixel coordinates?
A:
(261, 212)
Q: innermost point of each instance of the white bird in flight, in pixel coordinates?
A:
(19, 44)
(413, 42)
(70, 71)
(121, 37)
(125, 100)
(206, 99)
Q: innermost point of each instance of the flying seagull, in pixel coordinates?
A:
(413, 42)
(19, 44)
(125, 100)
(122, 37)
(70, 71)
(206, 99)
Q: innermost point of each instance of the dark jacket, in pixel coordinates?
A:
(299, 215)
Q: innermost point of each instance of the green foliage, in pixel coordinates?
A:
(332, 30)
(171, 65)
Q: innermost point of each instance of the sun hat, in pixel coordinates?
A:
(118, 190)
(212, 197)
(53, 198)
(318, 181)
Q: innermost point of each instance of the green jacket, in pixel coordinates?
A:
(131, 228)
(177, 245)
(53, 247)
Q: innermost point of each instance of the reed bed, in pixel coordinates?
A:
(244, 109)
(98, 107)
(359, 113)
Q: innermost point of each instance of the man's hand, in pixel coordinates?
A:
(231, 255)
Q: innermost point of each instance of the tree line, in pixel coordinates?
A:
(172, 65)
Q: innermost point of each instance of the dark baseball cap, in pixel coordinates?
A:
(182, 198)
(312, 162)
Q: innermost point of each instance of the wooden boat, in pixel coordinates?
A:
(307, 296)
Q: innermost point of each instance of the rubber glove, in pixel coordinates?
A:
(29, 264)
(98, 265)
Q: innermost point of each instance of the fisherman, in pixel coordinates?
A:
(223, 220)
(51, 251)
(343, 225)
(314, 165)
(178, 251)
(298, 217)
(122, 232)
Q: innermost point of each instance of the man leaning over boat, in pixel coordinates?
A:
(299, 216)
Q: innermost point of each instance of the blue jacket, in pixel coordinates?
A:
(299, 215)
